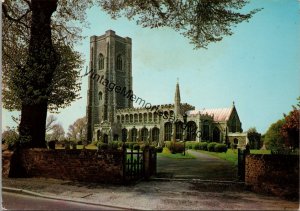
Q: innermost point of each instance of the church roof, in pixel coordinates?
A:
(219, 114)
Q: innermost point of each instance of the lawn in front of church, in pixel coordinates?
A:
(232, 154)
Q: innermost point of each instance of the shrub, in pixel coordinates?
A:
(113, 145)
(102, 146)
(136, 147)
(196, 146)
(129, 144)
(211, 146)
(176, 147)
(168, 144)
(190, 144)
(220, 148)
(79, 142)
(203, 146)
(159, 149)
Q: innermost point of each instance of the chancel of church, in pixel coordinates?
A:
(111, 115)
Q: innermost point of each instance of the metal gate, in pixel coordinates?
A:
(133, 165)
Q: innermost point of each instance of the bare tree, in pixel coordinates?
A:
(58, 132)
(77, 131)
(51, 120)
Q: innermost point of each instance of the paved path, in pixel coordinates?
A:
(204, 167)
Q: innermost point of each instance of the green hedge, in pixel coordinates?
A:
(102, 146)
(196, 145)
(111, 145)
(203, 146)
(220, 148)
(190, 144)
(211, 146)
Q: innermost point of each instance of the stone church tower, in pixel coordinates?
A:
(110, 66)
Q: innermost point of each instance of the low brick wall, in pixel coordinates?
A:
(275, 174)
(79, 165)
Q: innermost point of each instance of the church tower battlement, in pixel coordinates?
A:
(111, 59)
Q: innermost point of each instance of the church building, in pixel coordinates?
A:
(111, 115)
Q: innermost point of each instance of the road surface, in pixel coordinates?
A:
(14, 201)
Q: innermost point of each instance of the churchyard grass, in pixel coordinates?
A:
(232, 154)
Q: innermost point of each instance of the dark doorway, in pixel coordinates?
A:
(105, 138)
(216, 134)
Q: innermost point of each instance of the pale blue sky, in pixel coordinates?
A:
(257, 67)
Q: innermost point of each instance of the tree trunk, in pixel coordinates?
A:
(41, 63)
(33, 124)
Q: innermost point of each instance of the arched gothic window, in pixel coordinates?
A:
(101, 61)
(124, 134)
(133, 134)
(144, 134)
(179, 130)
(191, 129)
(168, 131)
(155, 134)
(119, 62)
(100, 95)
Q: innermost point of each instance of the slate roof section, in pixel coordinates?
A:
(219, 114)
